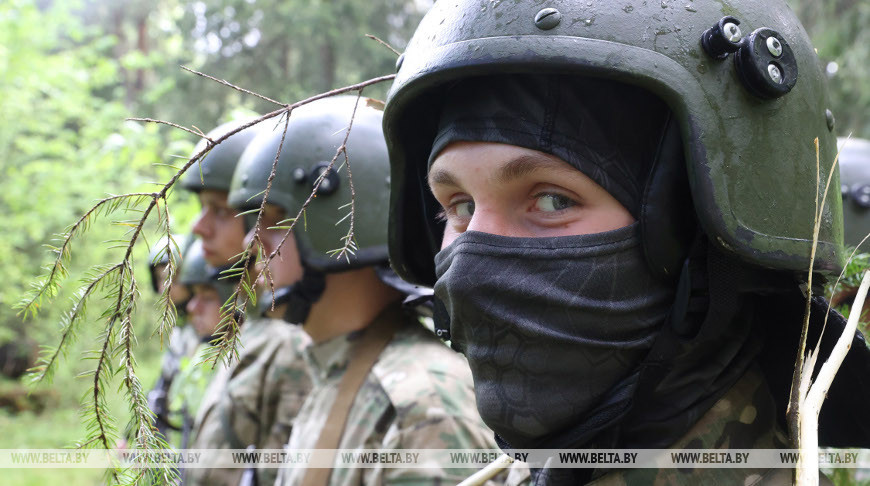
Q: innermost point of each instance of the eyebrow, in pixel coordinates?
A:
(441, 177)
(514, 169)
(527, 164)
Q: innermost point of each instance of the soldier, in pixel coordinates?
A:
(240, 407)
(855, 182)
(381, 380)
(204, 311)
(618, 222)
(182, 341)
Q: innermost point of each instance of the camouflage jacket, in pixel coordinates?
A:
(254, 401)
(183, 343)
(188, 388)
(742, 419)
(418, 395)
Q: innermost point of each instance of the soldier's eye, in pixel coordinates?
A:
(464, 209)
(550, 202)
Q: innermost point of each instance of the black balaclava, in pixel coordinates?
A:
(608, 131)
(529, 309)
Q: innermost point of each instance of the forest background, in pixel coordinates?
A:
(71, 71)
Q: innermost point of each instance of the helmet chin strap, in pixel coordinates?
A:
(300, 295)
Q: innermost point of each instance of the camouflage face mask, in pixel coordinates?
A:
(554, 329)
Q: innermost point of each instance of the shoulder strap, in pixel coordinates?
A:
(365, 354)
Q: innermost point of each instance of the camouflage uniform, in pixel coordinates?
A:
(183, 343)
(188, 388)
(255, 400)
(418, 395)
(745, 418)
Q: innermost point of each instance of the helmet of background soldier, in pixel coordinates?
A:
(159, 256)
(314, 134)
(196, 271)
(747, 91)
(855, 182)
(215, 170)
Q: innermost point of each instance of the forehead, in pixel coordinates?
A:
(273, 210)
(200, 289)
(212, 196)
(499, 163)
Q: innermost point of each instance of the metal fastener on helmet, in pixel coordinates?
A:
(314, 133)
(215, 170)
(751, 160)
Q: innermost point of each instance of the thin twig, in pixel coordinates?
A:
(173, 125)
(231, 85)
(375, 38)
(796, 397)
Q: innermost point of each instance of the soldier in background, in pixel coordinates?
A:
(182, 340)
(238, 407)
(855, 186)
(613, 203)
(855, 183)
(208, 293)
(381, 380)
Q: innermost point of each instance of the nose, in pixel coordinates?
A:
(491, 220)
(201, 226)
(192, 304)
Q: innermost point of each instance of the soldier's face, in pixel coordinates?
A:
(513, 191)
(285, 268)
(222, 233)
(204, 309)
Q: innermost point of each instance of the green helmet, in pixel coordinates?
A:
(748, 125)
(215, 169)
(158, 255)
(196, 271)
(855, 178)
(314, 133)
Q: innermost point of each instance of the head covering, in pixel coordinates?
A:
(608, 131)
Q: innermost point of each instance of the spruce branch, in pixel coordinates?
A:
(349, 247)
(47, 286)
(168, 313)
(117, 338)
(69, 326)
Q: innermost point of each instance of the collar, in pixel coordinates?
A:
(330, 358)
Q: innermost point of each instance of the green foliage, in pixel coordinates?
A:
(284, 49)
(839, 32)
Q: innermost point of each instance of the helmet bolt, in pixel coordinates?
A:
(723, 38)
(775, 73)
(862, 196)
(774, 46)
(299, 175)
(548, 18)
(325, 185)
(829, 119)
(732, 32)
